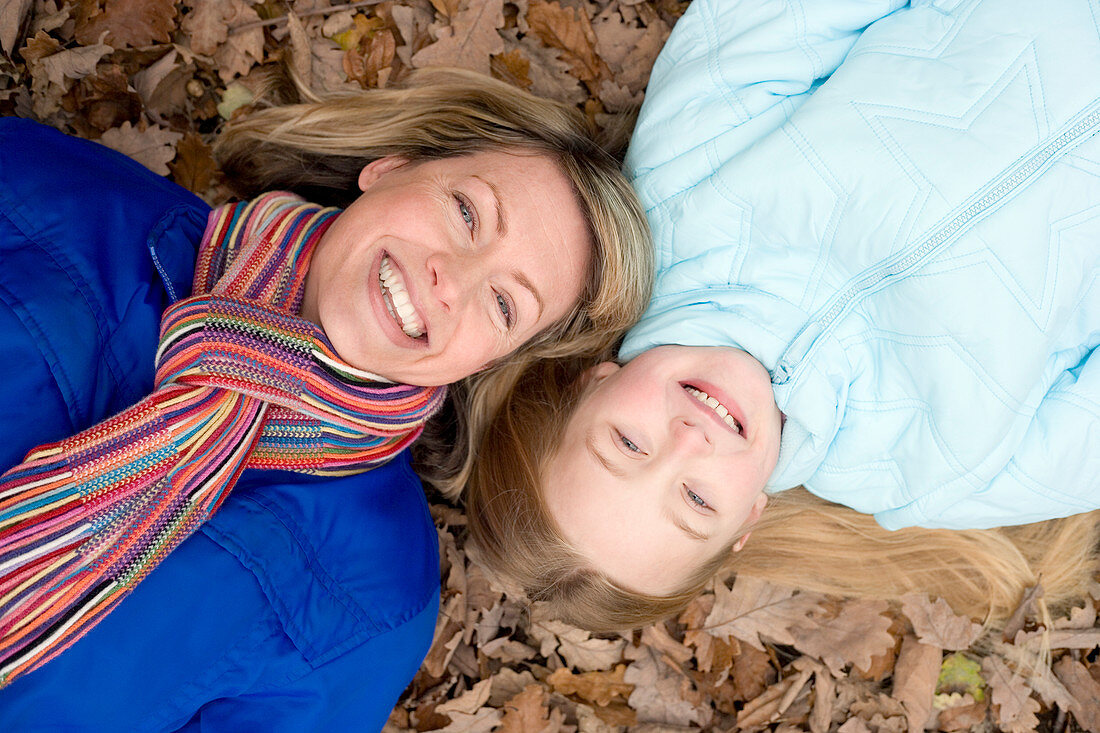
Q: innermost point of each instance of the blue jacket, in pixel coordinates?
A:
(304, 604)
(896, 209)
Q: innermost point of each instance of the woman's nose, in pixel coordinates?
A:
(451, 279)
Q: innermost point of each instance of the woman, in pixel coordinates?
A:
(877, 278)
(304, 603)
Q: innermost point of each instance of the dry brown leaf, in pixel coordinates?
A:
(821, 714)
(299, 49)
(755, 608)
(508, 650)
(571, 33)
(549, 75)
(194, 165)
(577, 647)
(528, 712)
(857, 634)
(658, 695)
(1014, 707)
(915, 675)
(507, 683)
(241, 51)
(40, 46)
(483, 721)
(767, 708)
(657, 636)
(1080, 617)
(1025, 609)
(469, 41)
(513, 67)
(130, 23)
(369, 63)
(963, 717)
(752, 671)
(153, 147)
(206, 25)
(599, 687)
(935, 623)
(1085, 690)
(13, 15)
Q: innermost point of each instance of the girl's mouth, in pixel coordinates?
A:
(396, 297)
(721, 410)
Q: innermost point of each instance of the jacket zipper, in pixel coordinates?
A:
(957, 223)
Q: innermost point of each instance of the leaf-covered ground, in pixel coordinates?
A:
(156, 78)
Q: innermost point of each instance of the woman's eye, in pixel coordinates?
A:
(466, 211)
(505, 310)
(696, 499)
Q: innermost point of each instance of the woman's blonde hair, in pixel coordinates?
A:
(318, 148)
(800, 541)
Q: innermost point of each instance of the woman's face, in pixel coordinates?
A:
(442, 266)
(663, 463)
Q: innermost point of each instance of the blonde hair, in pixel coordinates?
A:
(800, 541)
(318, 148)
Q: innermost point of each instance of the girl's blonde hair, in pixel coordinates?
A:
(318, 148)
(800, 541)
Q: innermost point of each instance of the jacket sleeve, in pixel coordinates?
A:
(733, 71)
(1054, 473)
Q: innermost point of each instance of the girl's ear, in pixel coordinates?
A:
(375, 169)
(596, 374)
(757, 510)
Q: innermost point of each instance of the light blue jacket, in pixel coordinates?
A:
(896, 209)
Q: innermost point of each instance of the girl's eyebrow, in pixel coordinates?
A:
(684, 527)
(590, 444)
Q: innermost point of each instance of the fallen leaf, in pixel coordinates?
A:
(507, 683)
(1014, 707)
(470, 39)
(959, 673)
(130, 23)
(194, 165)
(1085, 690)
(935, 623)
(241, 51)
(915, 675)
(859, 632)
(483, 721)
(1025, 608)
(755, 608)
(153, 147)
(577, 647)
(528, 712)
(657, 695)
(597, 687)
(571, 33)
(206, 25)
(13, 15)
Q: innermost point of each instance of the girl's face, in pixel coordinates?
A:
(442, 266)
(663, 463)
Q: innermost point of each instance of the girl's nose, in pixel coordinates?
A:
(689, 437)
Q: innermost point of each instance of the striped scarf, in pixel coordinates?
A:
(241, 382)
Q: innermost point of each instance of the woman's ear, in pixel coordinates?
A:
(757, 510)
(375, 169)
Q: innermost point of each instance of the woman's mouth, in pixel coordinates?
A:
(721, 410)
(396, 297)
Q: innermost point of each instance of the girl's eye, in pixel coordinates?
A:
(629, 444)
(466, 211)
(505, 310)
(695, 499)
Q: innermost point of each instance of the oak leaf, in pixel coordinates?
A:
(241, 51)
(598, 687)
(1085, 690)
(507, 683)
(528, 712)
(130, 23)
(915, 675)
(570, 32)
(754, 608)
(482, 721)
(194, 165)
(935, 623)
(576, 646)
(206, 25)
(1013, 705)
(549, 75)
(13, 14)
(658, 694)
(470, 39)
(153, 147)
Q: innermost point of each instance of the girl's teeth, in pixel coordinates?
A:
(715, 405)
(397, 300)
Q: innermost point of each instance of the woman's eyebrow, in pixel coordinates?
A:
(590, 444)
(525, 282)
(498, 200)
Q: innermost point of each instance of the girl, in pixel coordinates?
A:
(487, 222)
(854, 309)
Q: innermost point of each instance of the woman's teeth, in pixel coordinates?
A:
(715, 405)
(396, 297)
